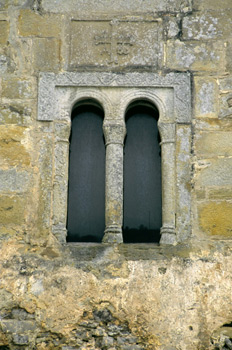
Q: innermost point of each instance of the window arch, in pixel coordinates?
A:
(142, 217)
(86, 190)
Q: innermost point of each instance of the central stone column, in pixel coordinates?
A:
(114, 132)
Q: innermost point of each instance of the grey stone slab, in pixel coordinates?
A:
(13, 181)
(15, 326)
(113, 43)
(120, 6)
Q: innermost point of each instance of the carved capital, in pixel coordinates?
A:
(168, 235)
(114, 132)
(167, 132)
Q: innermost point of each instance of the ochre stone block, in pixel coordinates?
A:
(18, 89)
(45, 54)
(4, 31)
(13, 152)
(32, 24)
(220, 193)
(215, 172)
(15, 113)
(212, 144)
(12, 210)
(203, 56)
(216, 218)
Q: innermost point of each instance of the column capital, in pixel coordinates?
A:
(167, 132)
(114, 131)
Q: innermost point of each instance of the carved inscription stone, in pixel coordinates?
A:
(113, 43)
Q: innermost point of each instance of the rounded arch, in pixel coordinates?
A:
(92, 97)
(135, 96)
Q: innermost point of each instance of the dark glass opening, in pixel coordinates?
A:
(142, 217)
(86, 190)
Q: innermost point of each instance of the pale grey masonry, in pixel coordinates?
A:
(115, 92)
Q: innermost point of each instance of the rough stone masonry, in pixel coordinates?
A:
(115, 296)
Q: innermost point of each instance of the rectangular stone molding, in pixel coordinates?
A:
(113, 43)
(171, 94)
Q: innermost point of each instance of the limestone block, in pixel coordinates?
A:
(200, 193)
(220, 193)
(203, 56)
(33, 24)
(206, 97)
(225, 105)
(4, 4)
(45, 54)
(207, 25)
(213, 144)
(18, 88)
(13, 152)
(12, 210)
(212, 4)
(215, 172)
(171, 27)
(62, 131)
(12, 180)
(228, 56)
(3, 64)
(215, 218)
(4, 32)
(225, 84)
(213, 124)
(119, 6)
(123, 43)
(15, 113)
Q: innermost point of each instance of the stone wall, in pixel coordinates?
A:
(113, 296)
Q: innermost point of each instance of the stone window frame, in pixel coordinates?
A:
(171, 94)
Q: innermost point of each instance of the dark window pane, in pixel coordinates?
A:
(86, 194)
(142, 177)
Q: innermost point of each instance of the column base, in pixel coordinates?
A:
(168, 235)
(113, 234)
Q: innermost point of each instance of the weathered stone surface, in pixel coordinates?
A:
(225, 84)
(228, 56)
(119, 6)
(215, 172)
(12, 210)
(213, 144)
(18, 89)
(207, 25)
(13, 151)
(115, 42)
(33, 24)
(45, 54)
(171, 27)
(4, 31)
(206, 103)
(216, 218)
(212, 5)
(220, 193)
(83, 296)
(225, 105)
(206, 56)
(15, 113)
(13, 181)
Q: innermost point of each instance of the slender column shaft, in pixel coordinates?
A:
(114, 135)
(167, 132)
